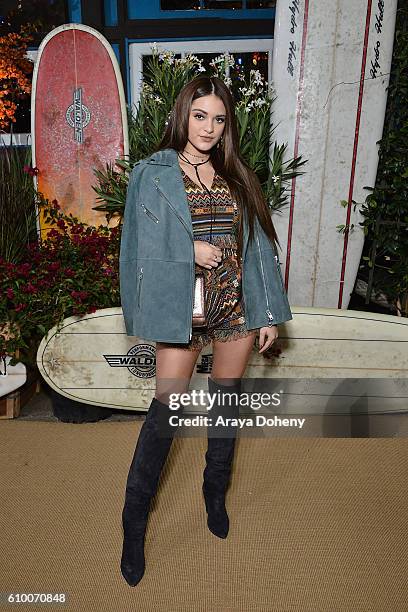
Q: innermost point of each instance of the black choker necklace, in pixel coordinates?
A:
(184, 158)
(192, 154)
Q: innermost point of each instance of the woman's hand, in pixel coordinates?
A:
(206, 255)
(267, 336)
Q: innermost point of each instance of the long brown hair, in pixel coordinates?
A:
(226, 158)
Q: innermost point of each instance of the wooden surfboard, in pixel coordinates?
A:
(331, 64)
(324, 359)
(78, 116)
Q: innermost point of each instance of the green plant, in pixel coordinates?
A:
(17, 209)
(165, 75)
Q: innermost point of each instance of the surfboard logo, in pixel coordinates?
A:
(78, 115)
(140, 360)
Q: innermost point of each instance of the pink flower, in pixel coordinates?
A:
(20, 307)
(44, 283)
(29, 288)
(79, 295)
(24, 269)
(30, 170)
(10, 293)
(53, 266)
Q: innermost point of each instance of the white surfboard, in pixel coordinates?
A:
(331, 65)
(325, 360)
(11, 377)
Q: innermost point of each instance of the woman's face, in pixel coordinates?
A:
(206, 122)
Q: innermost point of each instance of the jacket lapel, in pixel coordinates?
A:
(169, 182)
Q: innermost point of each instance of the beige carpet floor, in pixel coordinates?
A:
(317, 524)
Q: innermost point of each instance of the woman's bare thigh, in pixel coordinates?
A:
(174, 368)
(230, 358)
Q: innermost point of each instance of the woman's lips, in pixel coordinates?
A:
(206, 137)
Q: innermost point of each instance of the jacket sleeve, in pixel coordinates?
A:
(128, 251)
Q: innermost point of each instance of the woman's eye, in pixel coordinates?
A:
(219, 119)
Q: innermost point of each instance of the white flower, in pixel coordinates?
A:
(167, 56)
(257, 77)
(192, 58)
(201, 68)
(216, 60)
(229, 59)
(226, 58)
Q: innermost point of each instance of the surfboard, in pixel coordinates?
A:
(331, 64)
(78, 118)
(324, 360)
(11, 377)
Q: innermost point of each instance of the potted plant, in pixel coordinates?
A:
(73, 271)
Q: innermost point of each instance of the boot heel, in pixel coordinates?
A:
(132, 564)
(217, 517)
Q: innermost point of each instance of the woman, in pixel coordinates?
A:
(192, 206)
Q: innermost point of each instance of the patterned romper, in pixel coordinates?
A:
(225, 310)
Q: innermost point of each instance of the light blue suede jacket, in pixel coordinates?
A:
(157, 259)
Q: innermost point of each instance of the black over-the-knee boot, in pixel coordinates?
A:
(219, 456)
(152, 448)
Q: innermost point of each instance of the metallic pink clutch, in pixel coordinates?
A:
(199, 315)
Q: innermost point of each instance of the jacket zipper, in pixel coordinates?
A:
(279, 271)
(193, 259)
(268, 312)
(175, 212)
(149, 213)
(139, 287)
